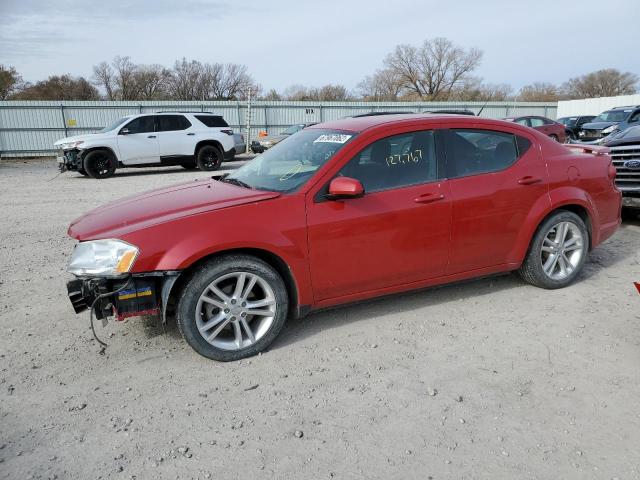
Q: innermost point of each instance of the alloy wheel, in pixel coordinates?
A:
(235, 310)
(562, 250)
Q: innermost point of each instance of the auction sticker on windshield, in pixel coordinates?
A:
(332, 138)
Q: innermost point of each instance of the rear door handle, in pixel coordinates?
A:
(191, 133)
(529, 180)
(429, 198)
(151, 136)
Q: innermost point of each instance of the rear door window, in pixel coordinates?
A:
(537, 122)
(169, 123)
(473, 152)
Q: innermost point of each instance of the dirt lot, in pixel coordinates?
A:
(487, 379)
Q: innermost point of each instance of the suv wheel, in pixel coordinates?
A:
(232, 307)
(99, 164)
(557, 252)
(209, 158)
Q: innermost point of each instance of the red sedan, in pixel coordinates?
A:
(550, 128)
(339, 212)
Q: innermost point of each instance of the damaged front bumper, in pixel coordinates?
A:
(131, 296)
(69, 160)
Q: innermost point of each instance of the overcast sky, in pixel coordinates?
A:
(330, 41)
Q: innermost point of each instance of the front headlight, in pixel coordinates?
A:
(108, 258)
(72, 145)
(610, 129)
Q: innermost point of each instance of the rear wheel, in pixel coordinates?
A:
(232, 307)
(209, 158)
(99, 164)
(557, 252)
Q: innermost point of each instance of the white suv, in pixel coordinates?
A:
(193, 140)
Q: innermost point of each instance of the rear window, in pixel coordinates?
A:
(472, 152)
(212, 121)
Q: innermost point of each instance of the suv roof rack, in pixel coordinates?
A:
(372, 114)
(184, 111)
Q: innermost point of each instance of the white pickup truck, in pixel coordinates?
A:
(191, 139)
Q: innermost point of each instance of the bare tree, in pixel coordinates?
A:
(10, 81)
(381, 86)
(272, 95)
(125, 77)
(539, 92)
(185, 81)
(474, 90)
(59, 87)
(434, 70)
(104, 77)
(603, 83)
(296, 93)
(325, 93)
(151, 82)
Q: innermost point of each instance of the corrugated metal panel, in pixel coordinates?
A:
(595, 106)
(31, 127)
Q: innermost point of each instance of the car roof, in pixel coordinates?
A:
(359, 124)
(623, 108)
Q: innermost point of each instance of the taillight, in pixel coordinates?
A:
(228, 132)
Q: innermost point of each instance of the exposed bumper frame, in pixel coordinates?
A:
(134, 295)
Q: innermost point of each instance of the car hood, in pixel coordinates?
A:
(86, 137)
(628, 136)
(161, 205)
(598, 125)
(272, 138)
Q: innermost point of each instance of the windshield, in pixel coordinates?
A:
(568, 121)
(292, 129)
(114, 125)
(612, 116)
(290, 163)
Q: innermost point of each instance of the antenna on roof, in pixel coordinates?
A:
(485, 104)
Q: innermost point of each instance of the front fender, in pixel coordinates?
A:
(277, 228)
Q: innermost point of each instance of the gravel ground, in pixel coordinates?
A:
(486, 379)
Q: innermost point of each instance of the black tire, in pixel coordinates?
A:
(82, 172)
(209, 158)
(199, 282)
(99, 164)
(532, 270)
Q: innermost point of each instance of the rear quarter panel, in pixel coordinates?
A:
(583, 179)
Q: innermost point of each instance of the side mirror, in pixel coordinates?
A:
(345, 187)
(125, 131)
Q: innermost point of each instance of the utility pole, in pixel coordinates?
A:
(248, 142)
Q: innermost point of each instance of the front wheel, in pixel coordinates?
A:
(232, 308)
(557, 252)
(99, 164)
(209, 158)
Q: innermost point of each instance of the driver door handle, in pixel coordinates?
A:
(151, 136)
(529, 180)
(191, 133)
(429, 198)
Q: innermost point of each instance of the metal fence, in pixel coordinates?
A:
(31, 128)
